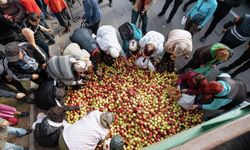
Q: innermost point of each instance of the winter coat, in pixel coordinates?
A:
(3, 134)
(83, 37)
(31, 6)
(147, 5)
(47, 132)
(234, 92)
(177, 36)
(186, 80)
(107, 40)
(56, 6)
(204, 8)
(155, 38)
(15, 9)
(92, 11)
(59, 68)
(8, 31)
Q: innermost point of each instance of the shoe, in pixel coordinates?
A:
(203, 39)
(26, 148)
(184, 8)
(24, 114)
(100, 1)
(28, 131)
(168, 21)
(66, 30)
(51, 42)
(110, 5)
(160, 14)
(224, 69)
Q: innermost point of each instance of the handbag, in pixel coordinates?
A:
(184, 20)
(186, 101)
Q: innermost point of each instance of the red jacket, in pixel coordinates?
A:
(31, 6)
(56, 6)
(187, 80)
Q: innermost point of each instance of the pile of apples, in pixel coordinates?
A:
(144, 113)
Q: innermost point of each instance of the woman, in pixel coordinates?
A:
(225, 93)
(208, 56)
(199, 15)
(59, 8)
(67, 69)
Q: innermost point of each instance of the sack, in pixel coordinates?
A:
(186, 101)
(184, 20)
(144, 63)
(204, 70)
(126, 31)
(198, 18)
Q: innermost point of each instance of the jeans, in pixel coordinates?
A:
(14, 131)
(144, 19)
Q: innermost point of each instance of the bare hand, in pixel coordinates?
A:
(8, 77)
(192, 107)
(35, 76)
(223, 30)
(50, 31)
(20, 95)
(44, 66)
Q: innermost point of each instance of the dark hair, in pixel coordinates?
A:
(148, 51)
(56, 114)
(33, 17)
(199, 78)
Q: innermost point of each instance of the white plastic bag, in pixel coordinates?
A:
(144, 64)
(186, 101)
(183, 20)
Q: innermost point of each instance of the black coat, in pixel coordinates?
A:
(47, 135)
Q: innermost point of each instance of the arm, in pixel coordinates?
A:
(210, 14)
(216, 104)
(88, 12)
(231, 23)
(45, 29)
(7, 94)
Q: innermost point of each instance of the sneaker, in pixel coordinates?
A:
(168, 21)
(51, 42)
(203, 39)
(110, 5)
(100, 1)
(28, 131)
(24, 114)
(160, 14)
(224, 69)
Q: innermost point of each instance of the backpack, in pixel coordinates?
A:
(126, 31)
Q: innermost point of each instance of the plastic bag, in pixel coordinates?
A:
(186, 101)
(141, 63)
(183, 20)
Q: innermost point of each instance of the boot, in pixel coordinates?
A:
(160, 14)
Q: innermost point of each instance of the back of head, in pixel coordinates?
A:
(106, 119)
(133, 45)
(12, 51)
(56, 114)
(33, 17)
(116, 143)
(149, 50)
(213, 87)
(200, 79)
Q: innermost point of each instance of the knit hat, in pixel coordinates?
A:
(114, 52)
(12, 52)
(133, 45)
(116, 143)
(3, 2)
(213, 87)
(106, 119)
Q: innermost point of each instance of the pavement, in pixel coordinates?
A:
(121, 12)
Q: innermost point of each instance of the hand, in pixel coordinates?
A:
(184, 90)
(199, 27)
(192, 107)
(35, 76)
(223, 30)
(20, 95)
(50, 31)
(5, 123)
(44, 66)
(8, 77)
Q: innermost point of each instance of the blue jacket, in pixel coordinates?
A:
(207, 9)
(92, 11)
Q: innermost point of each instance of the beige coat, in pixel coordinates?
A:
(179, 36)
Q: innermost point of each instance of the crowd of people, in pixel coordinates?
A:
(26, 56)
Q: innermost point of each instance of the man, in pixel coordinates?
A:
(177, 3)
(92, 14)
(140, 9)
(236, 32)
(87, 132)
